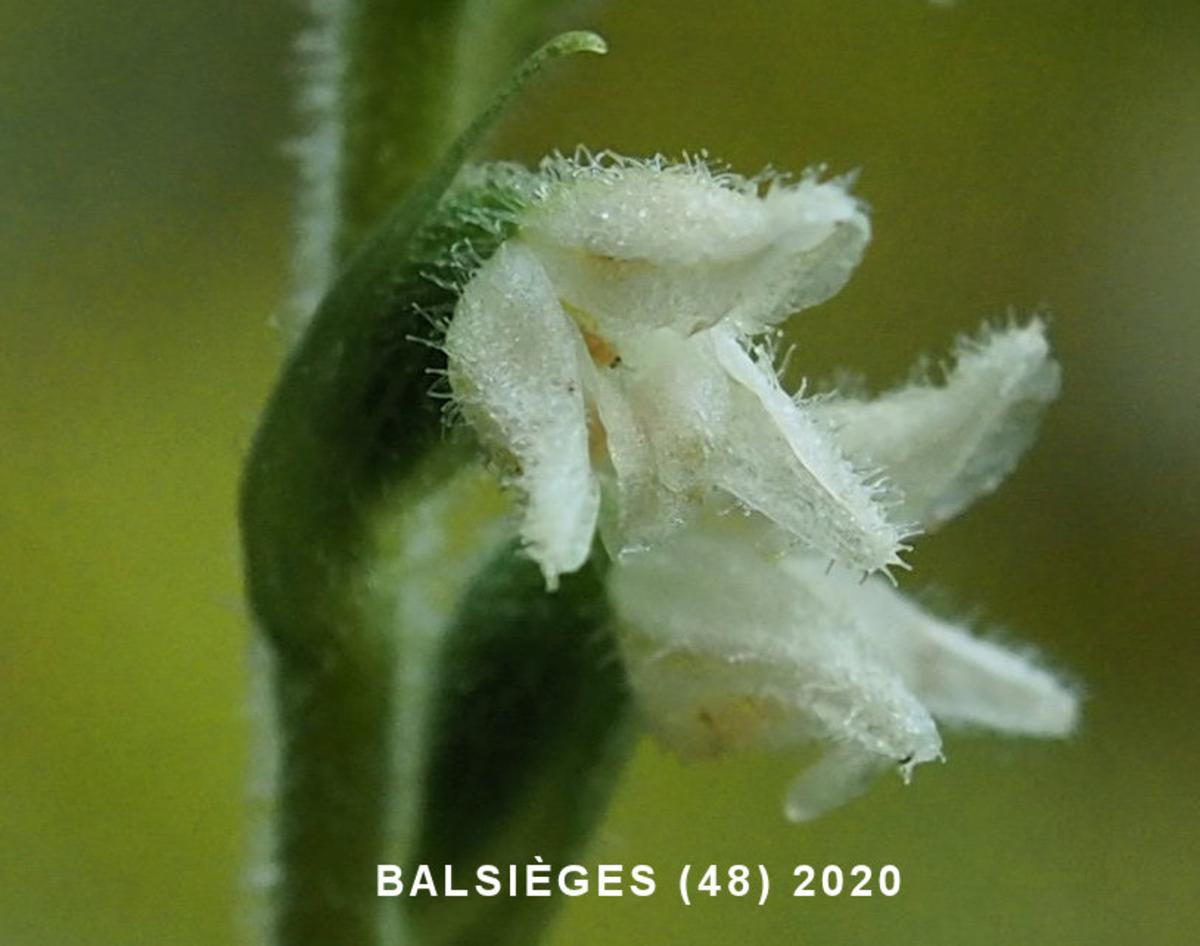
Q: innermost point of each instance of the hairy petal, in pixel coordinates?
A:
(957, 676)
(515, 360)
(725, 653)
(945, 445)
(627, 209)
(778, 461)
(823, 232)
(689, 414)
(729, 648)
(636, 245)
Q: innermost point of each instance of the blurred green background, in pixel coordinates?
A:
(1032, 154)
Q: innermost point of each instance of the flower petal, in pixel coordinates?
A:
(707, 415)
(957, 676)
(840, 775)
(651, 211)
(728, 649)
(514, 359)
(822, 233)
(636, 245)
(778, 461)
(643, 509)
(724, 653)
(943, 446)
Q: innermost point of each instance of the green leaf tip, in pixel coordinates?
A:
(562, 45)
(442, 174)
(575, 41)
(565, 44)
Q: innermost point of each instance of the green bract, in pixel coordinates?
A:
(348, 483)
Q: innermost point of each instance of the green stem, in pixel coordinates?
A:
(397, 105)
(349, 440)
(333, 791)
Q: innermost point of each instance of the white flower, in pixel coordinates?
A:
(615, 353)
(729, 647)
(611, 341)
(730, 644)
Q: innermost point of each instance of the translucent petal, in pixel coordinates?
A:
(515, 360)
(687, 414)
(945, 445)
(662, 410)
(778, 461)
(840, 775)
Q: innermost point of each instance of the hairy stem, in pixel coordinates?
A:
(390, 85)
(348, 450)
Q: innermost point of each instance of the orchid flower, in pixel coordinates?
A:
(729, 646)
(615, 356)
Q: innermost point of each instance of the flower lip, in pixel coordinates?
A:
(729, 647)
